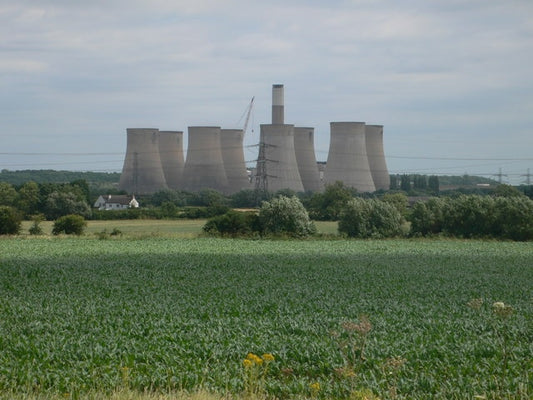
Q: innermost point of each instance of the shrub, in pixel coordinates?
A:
(370, 219)
(514, 218)
(35, 228)
(285, 215)
(10, 221)
(326, 206)
(470, 216)
(69, 224)
(427, 218)
(233, 223)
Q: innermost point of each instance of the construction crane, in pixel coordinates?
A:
(248, 112)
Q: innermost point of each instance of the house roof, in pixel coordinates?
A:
(118, 199)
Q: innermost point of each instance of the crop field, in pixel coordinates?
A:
(394, 319)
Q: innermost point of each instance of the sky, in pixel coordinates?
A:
(450, 80)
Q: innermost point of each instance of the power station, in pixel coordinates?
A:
(286, 158)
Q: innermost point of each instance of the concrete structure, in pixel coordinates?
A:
(204, 166)
(347, 158)
(280, 166)
(142, 172)
(304, 146)
(276, 164)
(278, 107)
(376, 156)
(231, 145)
(172, 160)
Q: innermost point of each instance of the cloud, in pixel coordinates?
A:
(101, 66)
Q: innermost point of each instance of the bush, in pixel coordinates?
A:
(69, 224)
(370, 219)
(470, 216)
(427, 218)
(35, 228)
(233, 223)
(327, 206)
(10, 221)
(514, 218)
(475, 216)
(285, 215)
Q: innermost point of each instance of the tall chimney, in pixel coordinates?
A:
(278, 112)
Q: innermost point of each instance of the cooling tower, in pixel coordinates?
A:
(376, 156)
(231, 144)
(171, 154)
(204, 167)
(347, 159)
(277, 167)
(278, 108)
(304, 146)
(142, 172)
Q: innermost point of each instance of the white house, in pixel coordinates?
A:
(116, 202)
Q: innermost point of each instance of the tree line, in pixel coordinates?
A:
(504, 212)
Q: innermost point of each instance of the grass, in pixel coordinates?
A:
(169, 315)
(139, 227)
(134, 227)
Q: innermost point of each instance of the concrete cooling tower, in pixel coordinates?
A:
(142, 172)
(171, 154)
(376, 156)
(204, 166)
(276, 165)
(231, 144)
(304, 146)
(347, 158)
(279, 168)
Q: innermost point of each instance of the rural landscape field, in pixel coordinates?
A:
(404, 319)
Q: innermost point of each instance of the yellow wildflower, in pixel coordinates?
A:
(247, 363)
(315, 387)
(268, 357)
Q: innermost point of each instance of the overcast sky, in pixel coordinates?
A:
(450, 80)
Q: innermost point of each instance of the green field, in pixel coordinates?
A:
(80, 315)
(142, 227)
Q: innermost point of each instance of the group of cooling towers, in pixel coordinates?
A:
(215, 158)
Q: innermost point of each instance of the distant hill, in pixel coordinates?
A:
(52, 176)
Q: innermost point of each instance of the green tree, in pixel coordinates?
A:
(427, 218)
(29, 198)
(470, 216)
(398, 200)
(433, 184)
(507, 191)
(70, 225)
(394, 182)
(10, 221)
(285, 215)
(233, 224)
(8, 194)
(83, 187)
(419, 182)
(405, 183)
(370, 218)
(327, 206)
(35, 228)
(514, 218)
(64, 203)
